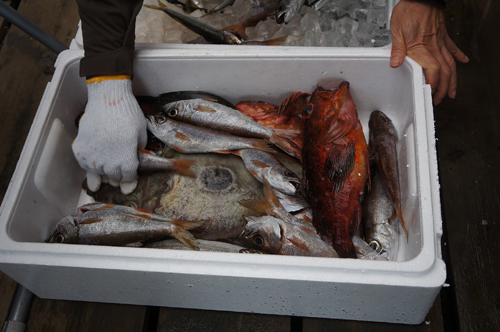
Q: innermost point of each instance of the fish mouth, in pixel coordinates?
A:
(282, 16)
(296, 185)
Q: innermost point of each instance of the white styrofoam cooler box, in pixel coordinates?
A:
(46, 186)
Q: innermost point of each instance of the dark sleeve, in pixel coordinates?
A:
(108, 28)
(437, 3)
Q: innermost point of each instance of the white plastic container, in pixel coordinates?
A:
(46, 186)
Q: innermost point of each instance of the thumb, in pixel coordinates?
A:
(398, 51)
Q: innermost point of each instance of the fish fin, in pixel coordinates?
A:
(307, 230)
(238, 28)
(269, 42)
(182, 137)
(223, 151)
(260, 164)
(270, 196)
(151, 153)
(134, 245)
(397, 208)
(299, 243)
(87, 207)
(205, 109)
(144, 211)
(186, 224)
(177, 148)
(186, 238)
(257, 205)
(263, 146)
(211, 100)
(401, 220)
(254, 173)
(183, 166)
(292, 106)
(340, 164)
(284, 139)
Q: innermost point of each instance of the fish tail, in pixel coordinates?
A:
(181, 233)
(293, 105)
(263, 146)
(270, 196)
(183, 166)
(285, 139)
(401, 220)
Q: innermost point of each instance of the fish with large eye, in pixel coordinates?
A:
(160, 119)
(278, 237)
(307, 111)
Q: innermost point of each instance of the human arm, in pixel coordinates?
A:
(112, 127)
(418, 30)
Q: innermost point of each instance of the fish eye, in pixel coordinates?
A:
(383, 119)
(308, 111)
(160, 119)
(173, 112)
(375, 245)
(132, 205)
(289, 174)
(258, 240)
(59, 238)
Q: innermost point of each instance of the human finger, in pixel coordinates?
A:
(444, 79)
(452, 88)
(93, 181)
(430, 65)
(398, 50)
(454, 50)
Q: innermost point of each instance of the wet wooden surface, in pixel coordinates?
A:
(467, 130)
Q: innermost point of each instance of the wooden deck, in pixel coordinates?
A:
(468, 135)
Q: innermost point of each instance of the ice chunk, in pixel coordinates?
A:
(314, 39)
(173, 37)
(266, 29)
(377, 16)
(241, 7)
(329, 16)
(293, 40)
(381, 38)
(379, 3)
(310, 23)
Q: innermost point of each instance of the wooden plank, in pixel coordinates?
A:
(173, 319)
(7, 292)
(26, 66)
(468, 133)
(432, 323)
(58, 316)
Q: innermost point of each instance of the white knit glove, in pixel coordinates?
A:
(111, 130)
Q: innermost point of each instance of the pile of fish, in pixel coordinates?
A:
(292, 179)
(333, 23)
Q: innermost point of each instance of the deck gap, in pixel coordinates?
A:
(296, 324)
(151, 319)
(4, 24)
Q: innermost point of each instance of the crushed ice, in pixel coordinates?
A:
(339, 23)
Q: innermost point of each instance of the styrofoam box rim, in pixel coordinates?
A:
(425, 270)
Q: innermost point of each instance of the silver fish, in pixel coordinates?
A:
(262, 165)
(287, 10)
(364, 251)
(278, 237)
(115, 225)
(150, 162)
(208, 31)
(186, 138)
(292, 203)
(380, 233)
(203, 245)
(216, 116)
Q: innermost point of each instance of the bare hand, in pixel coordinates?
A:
(419, 30)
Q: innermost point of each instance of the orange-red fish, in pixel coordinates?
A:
(335, 166)
(285, 116)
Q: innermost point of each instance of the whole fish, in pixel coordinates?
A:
(383, 140)
(208, 31)
(221, 182)
(278, 237)
(186, 138)
(335, 166)
(223, 4)
(264, 165)
(215, 116)
(115, 225)
(380, 233)
(203, 245)
(154, 105)
(258, 13)
(287, 10)
(271, 205)
(364, 251)
(150, 162)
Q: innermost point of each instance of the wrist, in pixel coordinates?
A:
(102, 78)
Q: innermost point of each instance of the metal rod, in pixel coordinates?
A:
(31, 28)
(19, 310)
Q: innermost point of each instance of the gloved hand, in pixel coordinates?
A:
(111, 130)
(419, 30)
